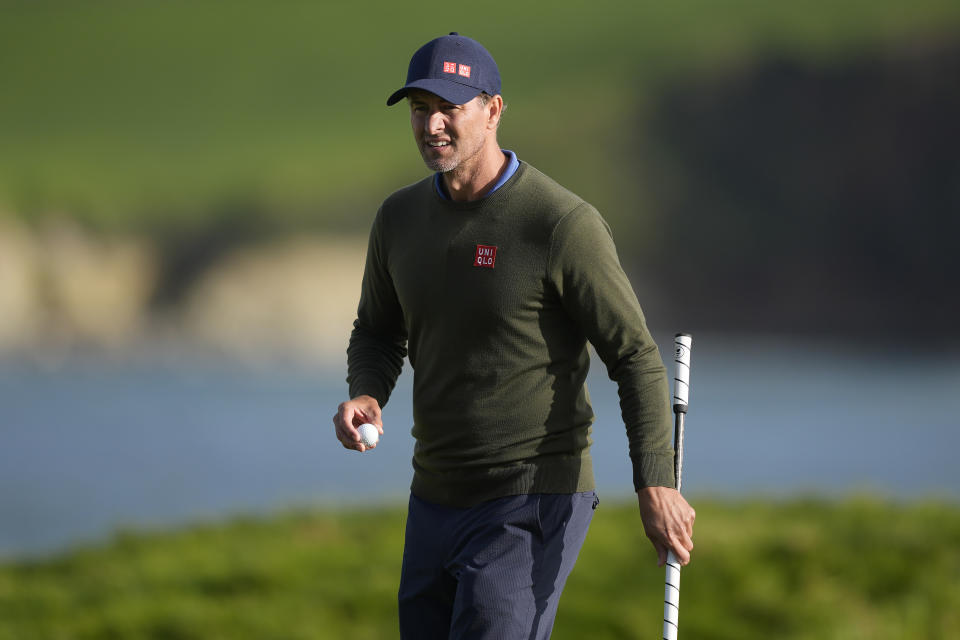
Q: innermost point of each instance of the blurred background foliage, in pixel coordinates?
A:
(801, 153)
(798, 570)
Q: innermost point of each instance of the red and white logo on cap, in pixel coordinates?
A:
(459, 69)
(486, 256)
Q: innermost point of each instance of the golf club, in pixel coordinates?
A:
(682, 343)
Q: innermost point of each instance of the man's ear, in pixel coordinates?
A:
(494, 110)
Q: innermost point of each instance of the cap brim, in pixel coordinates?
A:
(452, 92)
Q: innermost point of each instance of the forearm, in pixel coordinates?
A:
(645, 407)
(374, 363)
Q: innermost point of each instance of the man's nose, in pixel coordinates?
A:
(435, 122)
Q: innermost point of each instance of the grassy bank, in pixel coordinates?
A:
(858, 568)
(137, 115)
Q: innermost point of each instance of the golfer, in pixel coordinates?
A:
(492, 279)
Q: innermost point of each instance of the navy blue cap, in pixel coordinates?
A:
(454, 67)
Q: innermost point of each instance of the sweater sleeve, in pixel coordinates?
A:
(596, 293)
(378, 340)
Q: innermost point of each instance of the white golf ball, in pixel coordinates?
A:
(368, 434)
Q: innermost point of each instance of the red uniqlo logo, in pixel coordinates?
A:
(464, 70)
(449, 67)
(486, 256)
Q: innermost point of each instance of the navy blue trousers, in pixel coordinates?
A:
(494, 571)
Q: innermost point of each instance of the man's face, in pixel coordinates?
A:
(448, 135)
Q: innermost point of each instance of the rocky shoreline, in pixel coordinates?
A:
(63, 288)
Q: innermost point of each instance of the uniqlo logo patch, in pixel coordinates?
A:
(486, 256)
(450, 67)
(464, 70)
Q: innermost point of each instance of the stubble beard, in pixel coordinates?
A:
(464, 151)
(442, 165)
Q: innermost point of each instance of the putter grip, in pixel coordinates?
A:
(671, 598)
(681, 382)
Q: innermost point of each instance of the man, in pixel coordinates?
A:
(492, 278)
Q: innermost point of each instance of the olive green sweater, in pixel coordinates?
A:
(494, 301)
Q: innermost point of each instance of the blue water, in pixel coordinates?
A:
(91, 445)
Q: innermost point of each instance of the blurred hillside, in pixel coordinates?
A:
(821, 199)
(150, 150)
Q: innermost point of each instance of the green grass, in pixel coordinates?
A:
(857, 568)
(123, 114)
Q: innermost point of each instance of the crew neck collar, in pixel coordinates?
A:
(492, 196)
(512, 165)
